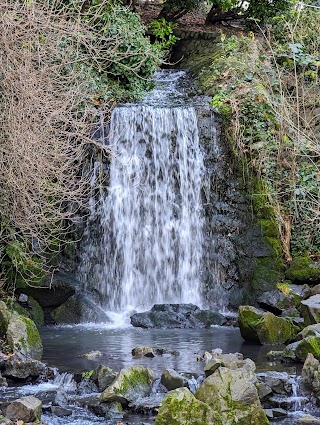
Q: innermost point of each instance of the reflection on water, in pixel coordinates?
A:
(63, 347)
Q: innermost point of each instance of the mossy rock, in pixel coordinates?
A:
(311, 345)
(180, 407)
(23, 336)
(34, 312)
(130, 384)
(304, 270)
(273, 330)
(4, 318)
(232, 393)
(269, 228)
(248, 317)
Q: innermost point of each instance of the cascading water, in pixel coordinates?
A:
(150, 218)
(149, 245)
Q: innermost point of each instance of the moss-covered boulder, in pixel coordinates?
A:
(4, 318)
(275, 330)
(32, 310)
(180, 407)
(299, 350)
(304, 270)
(247, 320)
(130, 384)
(23, 336)
(233, 394)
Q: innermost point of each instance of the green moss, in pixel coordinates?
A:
(275, 330)
(33, 335)
(134, 378)
(247, 320)
(269, 228)
(266, 274)
(303, 269)
(311, 345)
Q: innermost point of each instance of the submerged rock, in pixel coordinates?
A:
(27, 409)
(23, 336)
(130, 384)
(110, 411)
(181, 407)
(170, 316)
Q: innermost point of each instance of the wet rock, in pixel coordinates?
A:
(61, 398)
(310, 310)
(103, 376)
(172, 380)
(315, 290)
(143, 351)
(307, 420)
(232, 393)
(21, 368)
(130, 384)
(78, 309)
(93, 355)
(180, 405)
(23, 336)
(148, 405)
(4, 318)
(60, 411)
(311, 330)
(294, 313)
(109, 411)
(279, 413)
(169, 316)
(263, 390)
(279, 382)
(27, 409)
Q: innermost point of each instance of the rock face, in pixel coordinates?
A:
(23, 336)
(27, 409)
(232, 393)
(78, 309)
(130, 384)
(169, 316)
(265, 327)
(310, 310)
(180, 407)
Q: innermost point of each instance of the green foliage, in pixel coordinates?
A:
(87, 374)
(163, 30)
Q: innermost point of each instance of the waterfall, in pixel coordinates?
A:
(147, 248)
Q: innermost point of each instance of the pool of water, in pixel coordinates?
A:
(65, 346)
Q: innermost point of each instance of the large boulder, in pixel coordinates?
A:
(130, 384)
(310, 310)
(26, 409)
(311, 372)
(180, 407)
(265, 327)
(31, 309)
(21, 368)
(78, 309)
(233, 394)
(23, 336)
(169, 316)
(299, 350)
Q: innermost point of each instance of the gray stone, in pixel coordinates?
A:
(279, 413)
(310, 310)
(311, 372)
(103, 376)
(78, 309)
(169, 316)
(275, 301)
(279, 382)
(263, 390)
(15, 368)
(143, 351)
(23, 336)
(27, 409)
(93, 355)
(172, 380)
(60, 411)
(3, 381)
(110, 411)
(307, 420)
(5, 421)
(212, 366)
(23, 298)
(130, 384)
